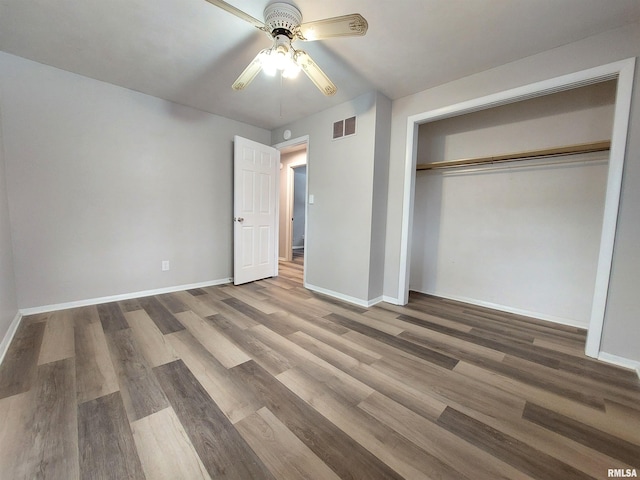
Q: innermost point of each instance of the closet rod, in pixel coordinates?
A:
(547, 152)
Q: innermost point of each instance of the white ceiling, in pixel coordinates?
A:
(190, 52)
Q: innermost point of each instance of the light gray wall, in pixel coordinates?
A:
(299, 201)
(515, 236)
(580, 115)
(523, 239)
(341, 173)
(8, 299)
(379, 204)
(622, 324)
(104, 183)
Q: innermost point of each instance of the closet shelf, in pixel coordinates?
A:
(511, 157)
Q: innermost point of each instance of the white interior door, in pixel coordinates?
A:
(255, 210)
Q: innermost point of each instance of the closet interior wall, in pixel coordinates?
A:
(522, 236)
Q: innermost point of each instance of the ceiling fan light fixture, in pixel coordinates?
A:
(311, 35)
(280, 58)
(283, 23)
(272, 62)
(291, 71)
(268, 62)
(282, 16)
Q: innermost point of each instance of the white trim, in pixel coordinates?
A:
(8, 337)
(292, 142)
(620, 362)
(124, 296)
(611, 206)
(345, 298)
(291, 203)
(505, 308)
(622, 70)
(407, 208)
(276, 265)
(391, 300)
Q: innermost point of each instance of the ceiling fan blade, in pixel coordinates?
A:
(313, 71)
(344, 26)
(249, 73)
(238, 13)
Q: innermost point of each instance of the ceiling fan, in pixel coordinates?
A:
(283, 24)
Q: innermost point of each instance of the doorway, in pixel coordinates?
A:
(621, 71)
(298, 218)
(292, 238)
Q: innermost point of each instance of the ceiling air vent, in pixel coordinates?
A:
(344, 128)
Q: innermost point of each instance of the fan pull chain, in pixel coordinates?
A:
(280, 94)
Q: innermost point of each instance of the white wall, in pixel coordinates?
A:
(341, 179)
(104, 183)
(622, 324)
(8, 299)
(519, 237)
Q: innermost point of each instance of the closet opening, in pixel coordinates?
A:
(530, 202)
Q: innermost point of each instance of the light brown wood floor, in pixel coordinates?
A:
(269, 380)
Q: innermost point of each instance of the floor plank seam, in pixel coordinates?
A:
(269, 380)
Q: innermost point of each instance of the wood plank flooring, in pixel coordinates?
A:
(271, 381)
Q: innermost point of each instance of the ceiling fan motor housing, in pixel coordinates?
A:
(282, 19)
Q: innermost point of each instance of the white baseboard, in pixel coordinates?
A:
(6, 341)
(124, 296)
(345, 298)
(375, 301)
(620, 361)
(503, 308)
(391, 300)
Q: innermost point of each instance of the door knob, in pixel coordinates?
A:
(239, 219)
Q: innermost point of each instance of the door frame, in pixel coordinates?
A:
(291, 143)
(291, 204)
(623, 72)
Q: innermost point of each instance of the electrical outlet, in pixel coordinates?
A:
(165, 265)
